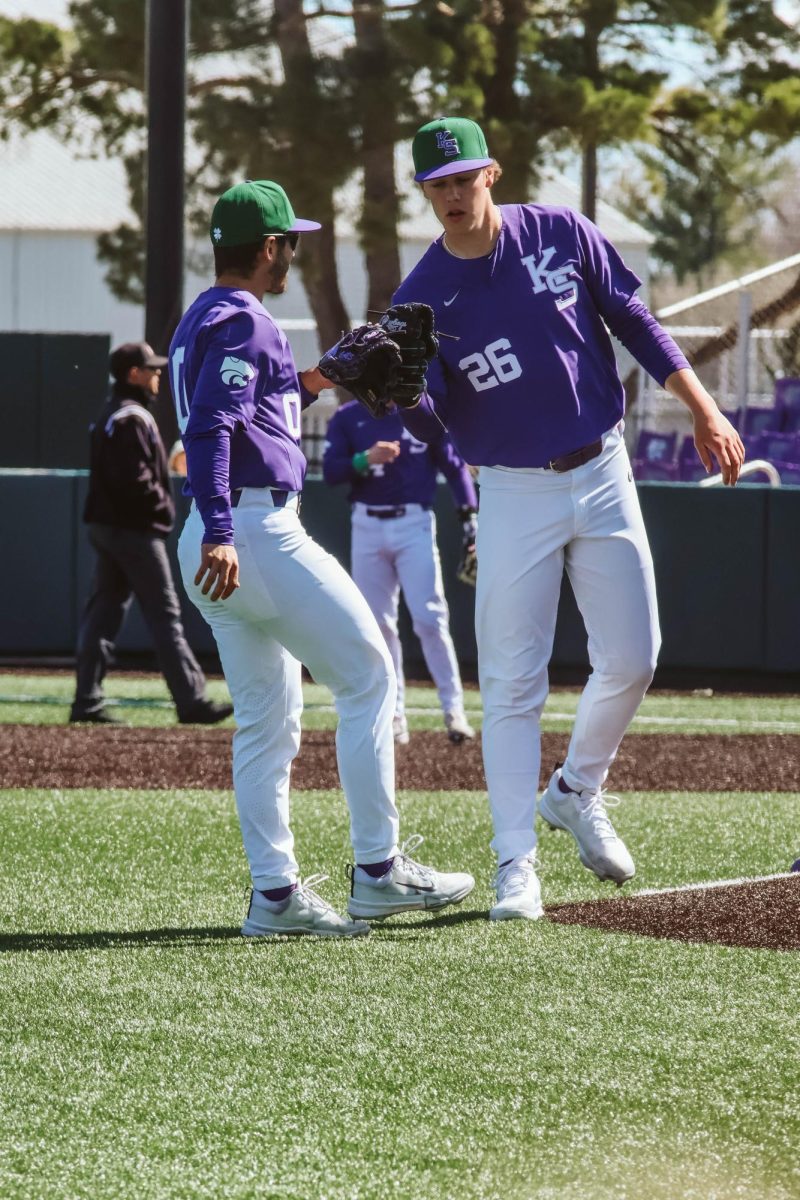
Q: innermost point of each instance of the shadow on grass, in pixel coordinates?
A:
(434, 921)
(107, 939)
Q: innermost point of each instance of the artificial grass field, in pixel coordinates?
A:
(44, 699)
(149, 1051)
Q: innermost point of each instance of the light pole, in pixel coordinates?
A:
(167, 31)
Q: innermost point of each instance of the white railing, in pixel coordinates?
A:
(758, 464)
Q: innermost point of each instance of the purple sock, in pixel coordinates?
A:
(563, 786)
(278, 894)
(375, 870)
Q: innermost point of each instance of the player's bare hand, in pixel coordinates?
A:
(218, 570)
(716, 439)
(382, 452)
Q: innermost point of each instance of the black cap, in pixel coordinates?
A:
(133, 354)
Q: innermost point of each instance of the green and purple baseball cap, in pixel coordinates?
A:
(448, 146)
(254, 209)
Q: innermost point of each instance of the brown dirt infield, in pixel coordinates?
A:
(759, 914)
(93, 756)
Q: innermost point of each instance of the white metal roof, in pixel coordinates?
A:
(48, 186)
(419, 224)
(41, 10)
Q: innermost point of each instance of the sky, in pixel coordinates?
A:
(43, 10)
(56, 10)
(682, 60)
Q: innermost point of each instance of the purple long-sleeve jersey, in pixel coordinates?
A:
(529, 372)
(238, 399)
(409, 479)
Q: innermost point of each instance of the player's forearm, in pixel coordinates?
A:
(338, 468)
(312, 382)
(642, 336)
(463, 489)
(208, 465)
(422, 420)
(685, 386)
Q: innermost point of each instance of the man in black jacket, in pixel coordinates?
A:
(130, 512)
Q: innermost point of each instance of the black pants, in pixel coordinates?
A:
(133, 564)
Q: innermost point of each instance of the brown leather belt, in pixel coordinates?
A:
(387, 514)
(568, 462)
(279, 497)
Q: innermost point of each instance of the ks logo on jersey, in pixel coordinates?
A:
(236, 372)
(559, 281)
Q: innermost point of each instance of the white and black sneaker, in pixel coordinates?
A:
(406, 886)
(519, 896)
(457, 726)
(302, 912)
(583, 814)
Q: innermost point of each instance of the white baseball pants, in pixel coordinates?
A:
(533, 523)
(401, 552)
(296, 604)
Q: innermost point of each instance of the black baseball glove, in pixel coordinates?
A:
(368, 363)
(467, 570)
(413, 328)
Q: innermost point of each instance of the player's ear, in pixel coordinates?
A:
(492, 173)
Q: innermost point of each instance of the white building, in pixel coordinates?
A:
(53, 204)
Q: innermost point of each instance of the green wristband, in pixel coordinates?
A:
(361, 462)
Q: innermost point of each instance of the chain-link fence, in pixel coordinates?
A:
(741, 339)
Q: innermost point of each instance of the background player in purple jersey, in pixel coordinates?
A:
(531, 394)
(273, 598)
(392, 481)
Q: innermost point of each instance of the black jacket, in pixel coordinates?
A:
(129, 482)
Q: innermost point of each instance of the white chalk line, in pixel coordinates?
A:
(714, 883)
(777, 726)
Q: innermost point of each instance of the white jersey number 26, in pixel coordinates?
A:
(491, 368)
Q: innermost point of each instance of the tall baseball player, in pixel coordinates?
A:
(531, 394)
(392, 481)
(274, 598)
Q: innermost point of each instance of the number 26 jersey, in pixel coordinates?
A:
(529, 372)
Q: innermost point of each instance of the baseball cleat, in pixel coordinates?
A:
(519, 896)
(406, 886)
(303, 912)
(207, 713)
(400, 731)
(583, 814)
(100, 717)
(458, 728)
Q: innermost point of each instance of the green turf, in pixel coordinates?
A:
(148, 1051)
(39, 699)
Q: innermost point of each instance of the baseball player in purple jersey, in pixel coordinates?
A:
(531, 394)
(273, 598)
(392, 481)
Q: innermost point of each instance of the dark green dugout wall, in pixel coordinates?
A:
(727, 570)
(51, 388)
